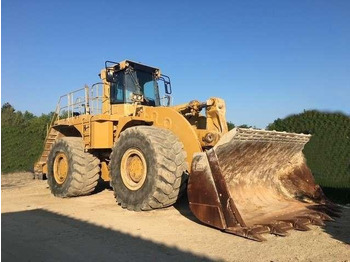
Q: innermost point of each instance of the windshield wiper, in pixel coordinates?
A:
(130, 72)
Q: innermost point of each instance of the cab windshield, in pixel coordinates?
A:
(132, 81)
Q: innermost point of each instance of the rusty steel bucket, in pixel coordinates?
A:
(257, 181)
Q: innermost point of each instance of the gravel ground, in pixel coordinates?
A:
(37, 226)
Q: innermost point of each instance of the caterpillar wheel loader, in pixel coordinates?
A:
(124, 130)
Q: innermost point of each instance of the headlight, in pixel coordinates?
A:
(136, 98)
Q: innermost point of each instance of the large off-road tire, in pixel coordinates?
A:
(147, 168)
(71, 171)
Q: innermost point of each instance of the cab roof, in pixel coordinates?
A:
(136, 65)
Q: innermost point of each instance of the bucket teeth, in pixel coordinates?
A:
(301, 227)
(326, 217)
(314, 219)
(300, 224)
(278, 231)
(280, 228)
(317, 221)
(257, 237)
(253, 233)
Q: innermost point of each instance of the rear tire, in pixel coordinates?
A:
(148, 168)
(71, 171)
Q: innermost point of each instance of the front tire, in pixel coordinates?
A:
(147, 168)
(71, 171)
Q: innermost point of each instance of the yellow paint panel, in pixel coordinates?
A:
(101, 134)
(168, 118)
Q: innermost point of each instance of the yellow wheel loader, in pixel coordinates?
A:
(125, 130)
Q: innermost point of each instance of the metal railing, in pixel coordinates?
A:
(87, 100)
(82, 101)
(96, 96)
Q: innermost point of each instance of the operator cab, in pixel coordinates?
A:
(130, 79)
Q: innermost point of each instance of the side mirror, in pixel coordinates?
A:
(110, 73)
(167, 86)
(110, 76)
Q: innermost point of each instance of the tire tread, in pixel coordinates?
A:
(171, 162)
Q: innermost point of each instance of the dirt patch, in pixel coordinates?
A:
(37, 226)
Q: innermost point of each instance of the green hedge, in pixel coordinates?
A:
(22, 137)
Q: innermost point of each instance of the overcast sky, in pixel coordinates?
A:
(267, 59)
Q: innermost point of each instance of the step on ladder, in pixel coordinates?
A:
(50, 139)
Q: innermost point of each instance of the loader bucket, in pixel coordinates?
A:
(257, 181)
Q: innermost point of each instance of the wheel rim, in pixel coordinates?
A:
(133, 169)
(60, 168)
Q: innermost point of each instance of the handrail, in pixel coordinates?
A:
(90, 102)
(70, 105)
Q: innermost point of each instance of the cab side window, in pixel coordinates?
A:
(117, 89)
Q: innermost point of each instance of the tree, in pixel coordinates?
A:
(245, 126)
(7, 114)
(230, 125)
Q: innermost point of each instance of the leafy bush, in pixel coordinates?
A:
(22, 138)
(230, 125)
